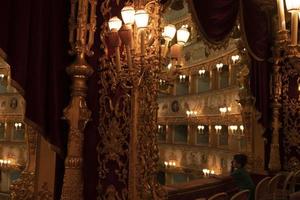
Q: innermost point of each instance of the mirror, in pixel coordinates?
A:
(201, 122)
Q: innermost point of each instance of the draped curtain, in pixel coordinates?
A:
(217, 18)
(34, 35)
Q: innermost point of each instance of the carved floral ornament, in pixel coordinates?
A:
(129, 84)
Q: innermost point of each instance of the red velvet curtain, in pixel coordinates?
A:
(34, 36)
(217, 18)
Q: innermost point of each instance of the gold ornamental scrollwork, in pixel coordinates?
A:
(24, 187)
(82, 25)
(114, 131)
(291, 117)
(44, 193)
(127, 151)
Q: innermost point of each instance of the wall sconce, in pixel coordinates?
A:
(1, 76)
(218, 128)
(170, 163)
(201, 129)
(8, 164)
(5, 162)
(235, 58)
(208, 172)
(191, 113)
(182, 78)
(18, 126)
(169, 66)
(233, 128)
(201, 72)
(205, 172)
(219, 66)
(242, 129)
(162, 82)
(224, 110)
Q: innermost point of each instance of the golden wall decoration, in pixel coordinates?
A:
(114, 130)
(24, 187)
(127, 151)
(291, 117)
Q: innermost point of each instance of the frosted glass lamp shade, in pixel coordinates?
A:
(183, 35)
(169, 31)
(141, 18)
(293, 5)
(128, 15)
(114, 24)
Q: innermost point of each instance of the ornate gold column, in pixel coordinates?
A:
(281, 40)
(76, 113)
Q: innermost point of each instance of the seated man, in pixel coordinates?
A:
(241, 176)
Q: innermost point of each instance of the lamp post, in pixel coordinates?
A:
(133, 63)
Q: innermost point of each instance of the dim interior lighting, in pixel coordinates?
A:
(141, 18)
(218, 128)
(170, 163)
(201, 72)
(235, 58)
(1, 76)
(128, 13)
(18, 125)
(182, 77)
(219, 66)
(233, 128)
(191, 113)
(242, 127)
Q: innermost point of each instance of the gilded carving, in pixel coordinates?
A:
(291, 116)
(44, 193)
(127, 151)
(24, 187)
(82, 25)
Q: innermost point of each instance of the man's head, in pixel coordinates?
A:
(239, 160)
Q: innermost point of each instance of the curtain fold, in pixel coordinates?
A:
(34, 36)
(216, 18)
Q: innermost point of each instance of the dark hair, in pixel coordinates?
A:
(240, 159)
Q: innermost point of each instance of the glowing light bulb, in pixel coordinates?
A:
(114, 24)
(128, 13)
